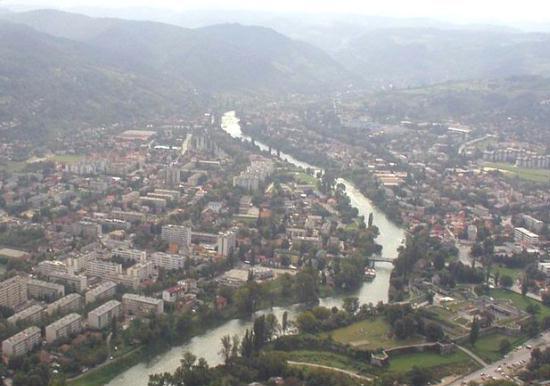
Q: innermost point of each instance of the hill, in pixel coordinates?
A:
(407, 57)
(59, 66)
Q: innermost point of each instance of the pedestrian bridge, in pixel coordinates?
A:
(381, 259)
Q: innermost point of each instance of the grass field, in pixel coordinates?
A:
(404, 363)
(520, 301)
(535, 175)
(67, 158)
(488, 347)
(102, 375)
(514, 273)
(13, 167)
(326, 358)
(370, 334)
(304, 178)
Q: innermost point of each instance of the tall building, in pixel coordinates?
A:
(177, 234)
(167, 261)
(71, 302)
(22, 342)
(78, 282)
(13, 292)
(525, 237)
(103, 315)
(226, 242)
(101, 268)
(33, 315)
(61, 328)
(40, 289)
(105, 290)
(142, 305)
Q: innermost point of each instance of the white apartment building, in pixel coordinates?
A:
(177, 234)
(33, 314)
(22, 342)
(101, 268)
(525, 237)
(40, 289)
(103, 315)
(167, 261)
(13, 292)
(141, 305)
(66, 326)
(226, 242)
(71, 302)
(103, 291)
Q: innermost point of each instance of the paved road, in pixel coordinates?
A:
(350, 373)
(507, 365)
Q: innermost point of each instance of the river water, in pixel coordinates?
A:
(208, 344)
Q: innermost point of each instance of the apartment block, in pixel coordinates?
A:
(13, 292)
(525, 237)
(102, 268)
(142, 305)
(167, 261)
(40, 289)
(177, 234)
(226, 243)
(22, 342)
(103, 315)
(33, 315)
(78, 282)
(130, 254)
(105, 290)
(66, 326)
(71, 302)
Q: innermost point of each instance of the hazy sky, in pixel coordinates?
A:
(464, 10)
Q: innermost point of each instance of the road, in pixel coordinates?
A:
(512, 361)
(350, 373)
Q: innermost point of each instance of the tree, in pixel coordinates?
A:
(371, 219)
(226, 348)
(506, 281)
(307, 322)
(418, 376)
(247, 344)
(284, 324)
(351, 305)
(474, 331)
(504, 346)
(524, 285)
(272, 326)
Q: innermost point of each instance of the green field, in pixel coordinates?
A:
(13, 166)
(514, 273)
(455, 363)
(488, 347)
(305, 179)
(370, 334)
(67, 158)
(326, 358)
(534, 175)
(520, 301)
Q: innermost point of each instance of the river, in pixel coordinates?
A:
(208, 344)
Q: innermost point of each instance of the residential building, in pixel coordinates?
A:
(142, 305)
(525, 237)
(130, 254)
(103, 315)
(101, 268)
(13, 292)
(33, 315)
(167, 261)
(69, 303)
(78, 282)
(226, 243)
(105, 290)
(142, 270)
(61, 328)
(177, 234)
(22, 342)
(40, 289)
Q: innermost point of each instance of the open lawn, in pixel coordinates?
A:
(535, 175)
(455, 363)
(514, 273)
(488, 347)
(326, 358)
(67, 158)
(520, 301)
(304, 178)
(370, 334)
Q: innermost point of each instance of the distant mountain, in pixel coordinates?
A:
(421, 56)
(62, 66)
